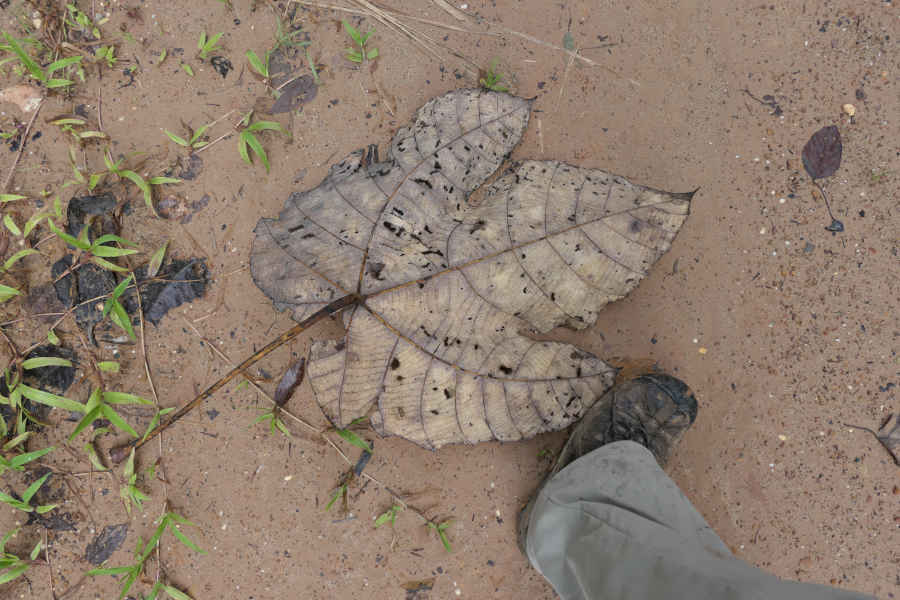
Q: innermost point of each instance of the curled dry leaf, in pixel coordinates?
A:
(437, 343)
(26, 97)
(289, 381)
(889, 436)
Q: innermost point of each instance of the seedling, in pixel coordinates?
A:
(248, 141)
(11, 566)
(258, 65)
(441, 529)
(353, 438)
(129, 492)
(208, 45)
(7, 292)
(194, 142)
(187, 69)
(362, 54)
(491, 78)
(275, 422)
(388, 516)
(18, 391)
(100, 406)
(43, 75)
(285, 39)
(77, 19)
(18, 462)
(25, 503)
(116, 169)
(107, 53)
(97, 251)
(168, 522)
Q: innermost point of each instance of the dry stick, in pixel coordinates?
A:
(356, 11)
(256, 386)
(119, 453)
(12, 169)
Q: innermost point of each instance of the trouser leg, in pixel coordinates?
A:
(612, 525)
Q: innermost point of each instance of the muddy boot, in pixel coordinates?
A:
(653, 410)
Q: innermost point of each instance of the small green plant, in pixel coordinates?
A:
(362, 54)
(342, 491)
(18, 462)
(193, 142)
(258, 65)
(18, 391)
(441, 529)
(97, 251)
(354, 439)
(285, 38)
(247, 139)
(7, 292)
(25, 503)
(11, 566)
(100, 406)
(108, 54)
(388, 516)
(167, 522)
(491, 79)
(208, 45)
(43, 75)
(275, 422)
(115, 168)
(129, 492)
(187, 69)
(79, 20)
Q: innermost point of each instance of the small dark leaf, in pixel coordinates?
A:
(362, 462)
(289, 381)
(221, 64)
(822, 153)
(104, 545)
(297, 92)
(186, 281)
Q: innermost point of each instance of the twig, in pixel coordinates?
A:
(251, 381)
(119, 453)
(44, 538)
(12, 169)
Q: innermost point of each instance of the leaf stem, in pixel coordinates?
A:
(119, 453)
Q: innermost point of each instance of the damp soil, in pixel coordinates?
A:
(785, 330)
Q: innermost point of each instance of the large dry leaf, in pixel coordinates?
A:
(439, 348)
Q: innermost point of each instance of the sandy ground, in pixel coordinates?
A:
(786, 332)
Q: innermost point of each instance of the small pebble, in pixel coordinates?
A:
(702, 350)
(849, 109)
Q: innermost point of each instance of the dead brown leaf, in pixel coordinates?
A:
(440, 293)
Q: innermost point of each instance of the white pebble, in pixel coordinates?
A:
(762, 231)
(781, 200)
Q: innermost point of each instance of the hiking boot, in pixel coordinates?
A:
(653, 410)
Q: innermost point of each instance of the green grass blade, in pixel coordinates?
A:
(45, 361)
(116, 419)
(7, 292)
(121, 318)
(355, 440)
(91, 416)
(27, 61)
(258, 149)
(42, 397)
(21, 459)
(33, 488)
(123, 398)
(11, 197)
(175, 138)
(17, 257)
